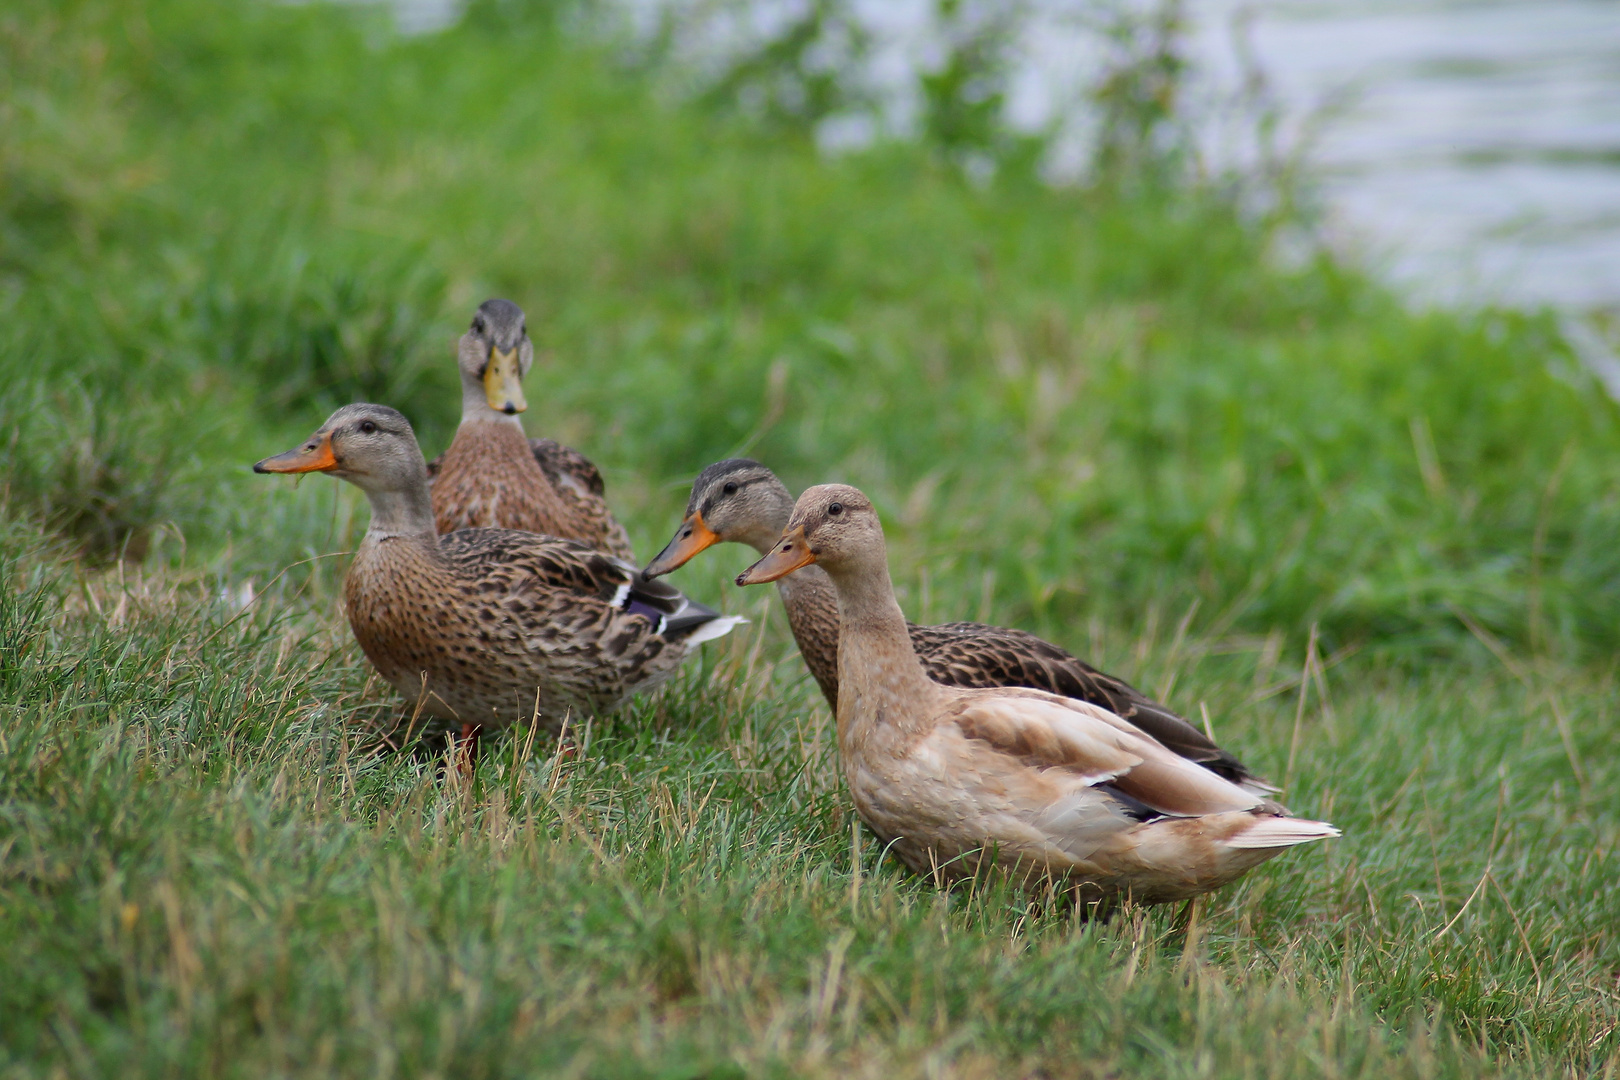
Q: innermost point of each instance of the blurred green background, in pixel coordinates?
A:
(1104, 398)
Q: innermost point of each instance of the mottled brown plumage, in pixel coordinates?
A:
(744, 502)
(492, 476)
(1039, 787)
(489, 626)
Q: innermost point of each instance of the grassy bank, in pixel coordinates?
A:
(1101, 413)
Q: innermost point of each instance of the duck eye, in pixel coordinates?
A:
(478, 325)
(730, 488)
(367, 427)
(835, 509)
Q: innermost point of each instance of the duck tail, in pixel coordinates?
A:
(699, 623)
(1278, 832)
(719, 626)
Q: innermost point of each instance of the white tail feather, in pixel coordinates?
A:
(715, 628)
(1270, 832)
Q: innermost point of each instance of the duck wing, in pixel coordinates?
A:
(568, 470)
(578, 482)
(512, 561)
(566, 467)
(1046, 772)
(973, 655)
(1100, 750)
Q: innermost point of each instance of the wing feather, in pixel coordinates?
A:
(1097, 747)
(565, 466)
(973, 655)
(528, 561)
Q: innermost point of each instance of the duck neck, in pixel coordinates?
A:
(811, 604)
(401, 511)
(879, 675)
(807, 594)
(808, 591)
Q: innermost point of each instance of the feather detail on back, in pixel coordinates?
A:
(973, 655)
(483, 623)
(493, 477)
(579, 483)
(1044, 731)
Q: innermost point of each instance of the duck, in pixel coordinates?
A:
(485, 627)
(493, 475)
(1034, 786)
(742, 501)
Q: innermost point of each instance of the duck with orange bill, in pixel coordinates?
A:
(1042, 788)
(485, 627)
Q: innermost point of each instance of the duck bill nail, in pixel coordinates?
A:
(313, 456)
(692, 537)
(503, 385)
(789, 554)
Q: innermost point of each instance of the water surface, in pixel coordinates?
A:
(1469, 148)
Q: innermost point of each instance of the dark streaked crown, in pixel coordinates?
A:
(711, 482)
(500, 322)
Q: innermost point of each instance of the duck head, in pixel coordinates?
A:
(834, 526)
(371, 446)
(494, 355)
(733, 501)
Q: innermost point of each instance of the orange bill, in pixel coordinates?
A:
(692, 537)
(790, 553)
(314, 456)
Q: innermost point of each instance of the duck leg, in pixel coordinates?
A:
(467, 750)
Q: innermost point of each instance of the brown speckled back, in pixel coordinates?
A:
(484, 626)
(494, 477)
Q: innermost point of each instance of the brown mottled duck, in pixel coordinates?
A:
(486, 626)
(1040, 787)
(742, 501)
(493, 476)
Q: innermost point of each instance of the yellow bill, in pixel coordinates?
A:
(503, 382)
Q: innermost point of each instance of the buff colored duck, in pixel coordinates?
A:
(742, 501)
(493, 476)
(1029, 784)
(485, 626)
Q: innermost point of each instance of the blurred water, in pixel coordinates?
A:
(1474, 149)
(1468, 149)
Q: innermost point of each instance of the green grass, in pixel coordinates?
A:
(1107, 415)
